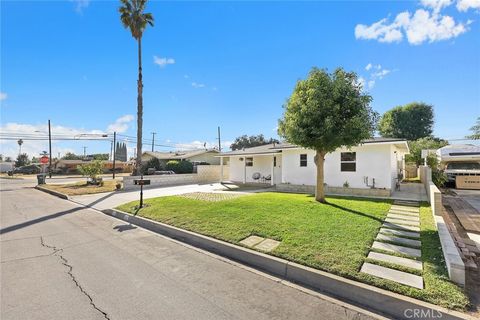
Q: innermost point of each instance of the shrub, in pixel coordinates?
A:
(438, 176)
(179, 166)
(152, 163)
(92, 170)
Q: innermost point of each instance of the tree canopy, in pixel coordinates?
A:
(246, 141)
(475, 131)
(22, 160)
(327, 111)
(417, 146)
(412, 121)
(71, 156)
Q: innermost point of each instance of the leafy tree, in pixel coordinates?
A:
(327, 111)
(475, 131)
(133, 18)
(251, 141)
(417, 146)
(92, 170)
(1, 157)
(412, 121)
(35, 160)
(8, 159)
(179, 166)
(22, 160)
(71, 156)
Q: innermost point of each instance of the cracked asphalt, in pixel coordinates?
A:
(62, 261)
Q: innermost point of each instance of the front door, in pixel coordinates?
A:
(277, 169)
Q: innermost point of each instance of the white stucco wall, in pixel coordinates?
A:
(372, 161)
(262, 164)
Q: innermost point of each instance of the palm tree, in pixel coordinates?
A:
(20, 142)
(133, 17)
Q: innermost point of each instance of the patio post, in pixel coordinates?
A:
(272, 173)
(221, 169)
(244, 170)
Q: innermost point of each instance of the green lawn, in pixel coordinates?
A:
(334, 237)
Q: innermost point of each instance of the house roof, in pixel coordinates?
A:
(278, 147)
(178, 155)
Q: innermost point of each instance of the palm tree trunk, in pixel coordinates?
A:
(139, 109)
(319, 191)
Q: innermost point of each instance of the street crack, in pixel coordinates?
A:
(57, 252)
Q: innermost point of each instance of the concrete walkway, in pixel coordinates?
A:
(109, 200)
(410, 191)
(397, 245)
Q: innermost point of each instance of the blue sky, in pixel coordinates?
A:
(228, 64)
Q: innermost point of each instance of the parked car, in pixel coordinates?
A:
(461, 168)
(30, 169)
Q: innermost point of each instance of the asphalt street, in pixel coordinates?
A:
(60, 260)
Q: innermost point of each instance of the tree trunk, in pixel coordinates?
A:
(139, 109)
(319, 191)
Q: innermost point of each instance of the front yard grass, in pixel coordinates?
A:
(80, 188)
(334, 237)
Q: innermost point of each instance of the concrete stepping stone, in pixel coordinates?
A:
(404, 262)
(267, 245)
(251, 241)
(394, 275)
(399, 216)
(401, 233)
(410, 242)
(403, 222)
(405, 208)
(400, 227)
(396, 248)
(407, 203)
(404, 213)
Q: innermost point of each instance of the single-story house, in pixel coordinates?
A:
(195, 156)
(374, 164)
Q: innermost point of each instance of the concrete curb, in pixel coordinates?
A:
(356, 293)
(52, 192)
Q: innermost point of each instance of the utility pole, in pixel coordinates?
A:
(49, 150)
(84, 152)
(219, 142)
(114, 150)
(153, 140)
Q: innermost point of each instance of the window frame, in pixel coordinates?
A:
(248, 161)
(348, 162)
(303, 162)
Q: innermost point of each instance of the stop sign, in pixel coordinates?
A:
(44, 160)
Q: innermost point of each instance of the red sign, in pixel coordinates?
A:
(44, 160)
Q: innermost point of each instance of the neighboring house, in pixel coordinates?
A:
(378, 160)
(71, 166)
(195, 156)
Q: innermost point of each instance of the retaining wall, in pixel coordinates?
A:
(285, 187)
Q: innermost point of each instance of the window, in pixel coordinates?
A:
(348, 161)
(303, 160)
(249, 162)
(274, 161)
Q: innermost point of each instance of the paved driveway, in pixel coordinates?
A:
(110, 200)
(63, 261)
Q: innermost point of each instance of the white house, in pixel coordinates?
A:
(373, 165)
